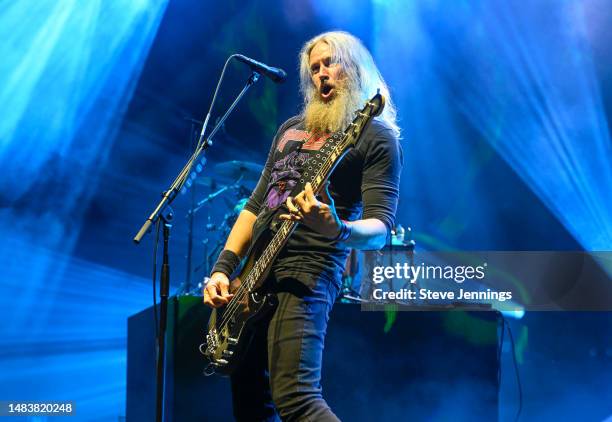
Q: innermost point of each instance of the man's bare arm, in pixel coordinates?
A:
(240, 236)
(367, 234)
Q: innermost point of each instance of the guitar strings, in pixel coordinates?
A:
(241, 292)
(245, 288)
(238, 291)
(249, 283)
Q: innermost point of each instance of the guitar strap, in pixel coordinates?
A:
(301, 185)
(270, 218)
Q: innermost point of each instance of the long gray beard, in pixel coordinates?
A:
(335, 115)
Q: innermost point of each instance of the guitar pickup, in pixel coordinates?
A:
(227, 353)
(232, 340)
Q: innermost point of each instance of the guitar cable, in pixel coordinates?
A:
(157, 227)
(506, 324)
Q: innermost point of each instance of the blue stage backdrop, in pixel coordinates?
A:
(504, 108)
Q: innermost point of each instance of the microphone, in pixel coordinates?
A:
(274, 73)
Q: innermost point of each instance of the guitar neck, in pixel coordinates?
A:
(269, 254)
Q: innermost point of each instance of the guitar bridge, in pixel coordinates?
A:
(212, 342)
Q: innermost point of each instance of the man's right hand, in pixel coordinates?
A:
(216, 291)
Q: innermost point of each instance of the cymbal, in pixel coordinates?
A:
(234, 169)
(208, 181)
(215, 183)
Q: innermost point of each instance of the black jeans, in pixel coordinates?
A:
(282, 369)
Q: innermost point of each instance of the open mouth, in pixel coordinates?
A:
(326, 91)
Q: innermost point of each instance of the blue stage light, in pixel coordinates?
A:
(522, 74)
(67, 73)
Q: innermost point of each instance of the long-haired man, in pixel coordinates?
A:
(282, 370)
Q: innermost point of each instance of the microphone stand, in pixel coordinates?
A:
(160, 212)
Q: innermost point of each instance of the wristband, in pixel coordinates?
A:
(345, 232)
(227, 263)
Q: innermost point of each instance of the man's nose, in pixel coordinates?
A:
(324, 72)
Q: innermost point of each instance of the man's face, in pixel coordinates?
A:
(326, 75)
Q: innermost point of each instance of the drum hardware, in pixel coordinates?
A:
(206, 181)
(351, 278)
(244, 175)
(242, 172)
(237, 185)
(235, 169)
(223, 229)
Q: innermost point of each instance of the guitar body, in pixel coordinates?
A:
(230, 333)
(231, 328)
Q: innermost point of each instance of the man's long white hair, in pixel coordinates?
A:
(359, 68)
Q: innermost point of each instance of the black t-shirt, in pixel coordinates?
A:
(364, 185)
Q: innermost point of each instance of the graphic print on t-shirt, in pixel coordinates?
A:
(292, 153)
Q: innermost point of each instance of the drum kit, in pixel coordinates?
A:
(232, 181)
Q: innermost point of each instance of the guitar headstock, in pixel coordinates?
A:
(374, 107)
(376, 104)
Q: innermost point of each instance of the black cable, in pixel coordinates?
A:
(214, 99)
(516, 372)
(157, 226)
(180, 180)
(499, 352)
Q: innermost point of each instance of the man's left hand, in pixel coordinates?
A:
(320, 216)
